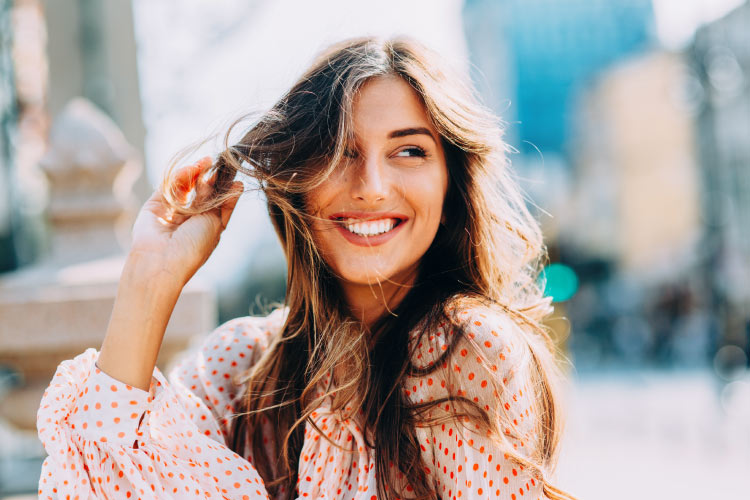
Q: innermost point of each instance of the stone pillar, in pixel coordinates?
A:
(59, 307)
(92, 53)
(91, 169)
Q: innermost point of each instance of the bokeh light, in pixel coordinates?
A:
(560, 282)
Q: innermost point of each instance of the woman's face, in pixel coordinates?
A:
(378, 213)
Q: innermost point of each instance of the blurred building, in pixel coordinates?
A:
(721, 57)
(552, 48)
(531, 60)
(635, 208)
(636, 196)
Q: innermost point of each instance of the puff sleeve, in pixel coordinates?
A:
(106, 439)
(488, 365)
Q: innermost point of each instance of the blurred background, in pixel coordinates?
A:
(630, 121)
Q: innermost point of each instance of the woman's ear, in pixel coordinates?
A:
(442, 219)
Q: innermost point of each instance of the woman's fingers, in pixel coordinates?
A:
(184, 181)
(228, 206)
(204, 188)
(192, 185)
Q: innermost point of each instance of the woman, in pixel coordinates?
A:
(409, 361)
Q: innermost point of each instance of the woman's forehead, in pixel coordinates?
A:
(387, 107)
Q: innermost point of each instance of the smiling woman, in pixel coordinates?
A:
(409, 361)
(386, 199)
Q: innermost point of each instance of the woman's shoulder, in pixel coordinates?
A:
(475, 313)
(240, 341)
(474, 327)
(260, 329)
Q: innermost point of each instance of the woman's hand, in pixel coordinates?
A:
(167, 250)
(180, 244)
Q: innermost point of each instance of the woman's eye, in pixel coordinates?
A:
(412, 151)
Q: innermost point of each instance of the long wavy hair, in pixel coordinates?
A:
(488, 251)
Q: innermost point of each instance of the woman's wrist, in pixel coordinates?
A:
(146, 296)
(146, 268)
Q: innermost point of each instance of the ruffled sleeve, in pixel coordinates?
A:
(488, 365)
(106, 439)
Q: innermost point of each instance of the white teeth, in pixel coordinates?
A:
(370, 228)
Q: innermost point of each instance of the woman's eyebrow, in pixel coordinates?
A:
(411, 131)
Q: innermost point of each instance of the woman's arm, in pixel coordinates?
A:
(145, 299)
(167, 250)
(107, 439)
(112, 424)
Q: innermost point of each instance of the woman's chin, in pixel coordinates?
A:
(358, 279)
(372, 275)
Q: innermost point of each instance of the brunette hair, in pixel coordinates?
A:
(488, 252)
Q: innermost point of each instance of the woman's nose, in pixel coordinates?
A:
(370, 183)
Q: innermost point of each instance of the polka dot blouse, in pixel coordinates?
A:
(106, 439)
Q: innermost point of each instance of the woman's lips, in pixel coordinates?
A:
(349, 218)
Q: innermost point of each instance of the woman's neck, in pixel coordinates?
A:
(368, 303)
